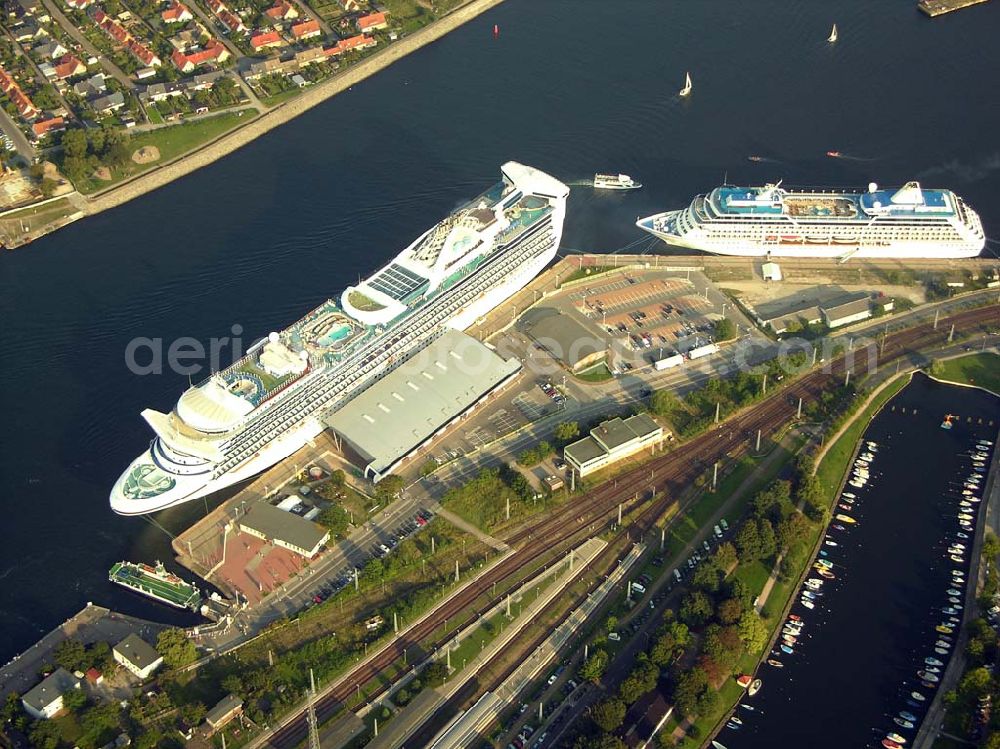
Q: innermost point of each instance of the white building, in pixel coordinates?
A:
(611, 441)
(137, 655)
(45, 699)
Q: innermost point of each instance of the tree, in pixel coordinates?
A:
(725, 330)
(792, 529)
(695, 609)
(609, 714)
(233, 684)
(726, 557)
(604, 741)
(388, 488)
(690, 685)
(175, 647)
(642, 680)
(612, 623)
(192, 713)
(71, 655)
(707, 702)
(12, 708)
(664, 403)
(435, 674)
(335, 519)
(74, 699)
(593, 667)
(752, 632)
(567, 430)
(48, 187)
(44, 735)
(729, 611)
(748, 542)
(75, 144)
(723, 645)
(768, 542)
(739, 590)
(991, 545)
(673, 640)
(706, 576)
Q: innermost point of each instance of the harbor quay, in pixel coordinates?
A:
(91, 624)
(935, 8)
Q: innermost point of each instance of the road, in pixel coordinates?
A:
(70, 28)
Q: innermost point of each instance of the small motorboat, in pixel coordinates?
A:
(717, 745)
(827, 574)
(907, 716)
(754, 158)
(747, 707)
(890, 744)
(955, 600)
(933, 662)
(789, 639)
(744, 680)
(833, 154)
(838, 527)
(849, 495)
(940, 651)
(755, 686)
(933, 678)
(775, 663)
(956, 558)
(734, 719)
(733, 726)
(814, 582)
(787, 650)
(807, 604)
(963, 536)
(795, 617)
(942, 644)
(896, 737)
(944, 629)
(903, 723)
(845, 518)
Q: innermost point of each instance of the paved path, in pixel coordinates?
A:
(471, 529)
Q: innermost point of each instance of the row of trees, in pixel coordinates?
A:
(84, 151)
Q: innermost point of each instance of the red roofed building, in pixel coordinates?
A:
(229, 19)
(306, 30)
(18, 98)
(43, 127)
(94, 676)
(355, 42)
(67, 66)
(214, 51)
(143, 54)
(266, 41)
(282, 11)
(372, 22)
(177, 13)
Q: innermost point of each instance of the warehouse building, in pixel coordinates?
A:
(611, 441)
(417, 401)
(847, 310)
(564, 337)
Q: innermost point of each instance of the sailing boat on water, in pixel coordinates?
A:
(687, 86)
(833, 34)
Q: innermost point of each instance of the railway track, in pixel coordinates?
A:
(668, 473)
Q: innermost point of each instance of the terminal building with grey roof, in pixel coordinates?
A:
(830, 305)
(611, 441)
(418, 400)
(564, 337)
(137, 655)
(284, 529)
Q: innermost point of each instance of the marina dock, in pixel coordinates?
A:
(934, 8)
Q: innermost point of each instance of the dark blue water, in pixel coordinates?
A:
(856, 662)
(571, 86)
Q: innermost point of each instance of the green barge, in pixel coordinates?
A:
(156, 582)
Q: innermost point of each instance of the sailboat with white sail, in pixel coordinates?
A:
(687, 86)
(833, 34)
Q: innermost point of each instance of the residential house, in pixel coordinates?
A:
(78, 4)
(45, 699)
(43, 127)
(94, 86)
(144, 54)
(299, 81)
(28, 9)
(110, 103)
(361, 41)
(281, 11)
(49, 51)
(161, 91)
(306, 30)
(188, 38)
(137, 655)
(48, 70)
(213, 52)
(229, 19)
(350, 5)
(143, 73)
(116, 31)
(309, 56)
(268, 40)
(270, 65)
(224, 711)
(29, 31)
(18, 98)
(177, 13)
(68, 67)
(372, 22)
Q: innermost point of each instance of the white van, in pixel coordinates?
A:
(677, 575)
(638, 588)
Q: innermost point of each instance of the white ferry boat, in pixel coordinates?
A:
(271, 402)
(615, 182)
(908, 222)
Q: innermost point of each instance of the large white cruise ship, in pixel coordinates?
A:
(271, 402)
(772, 220)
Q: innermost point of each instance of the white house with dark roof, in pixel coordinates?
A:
(45, 699)
(137, 655)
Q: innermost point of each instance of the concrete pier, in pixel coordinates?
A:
(935, 8)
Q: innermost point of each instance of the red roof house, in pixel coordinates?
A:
(371, 22)
(306, 30)
(43, 127)
(266, 41)
(177, 13)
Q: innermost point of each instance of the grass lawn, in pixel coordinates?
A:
(589, 272)
(172, 142)
(47, 212)
(831, 469)
(281, 97)
(753, 575)
(598, 373)
(154, 116)
(976, 369)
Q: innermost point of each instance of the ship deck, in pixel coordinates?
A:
(180, 594)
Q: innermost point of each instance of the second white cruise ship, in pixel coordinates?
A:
(908, 222)
(272, 401)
